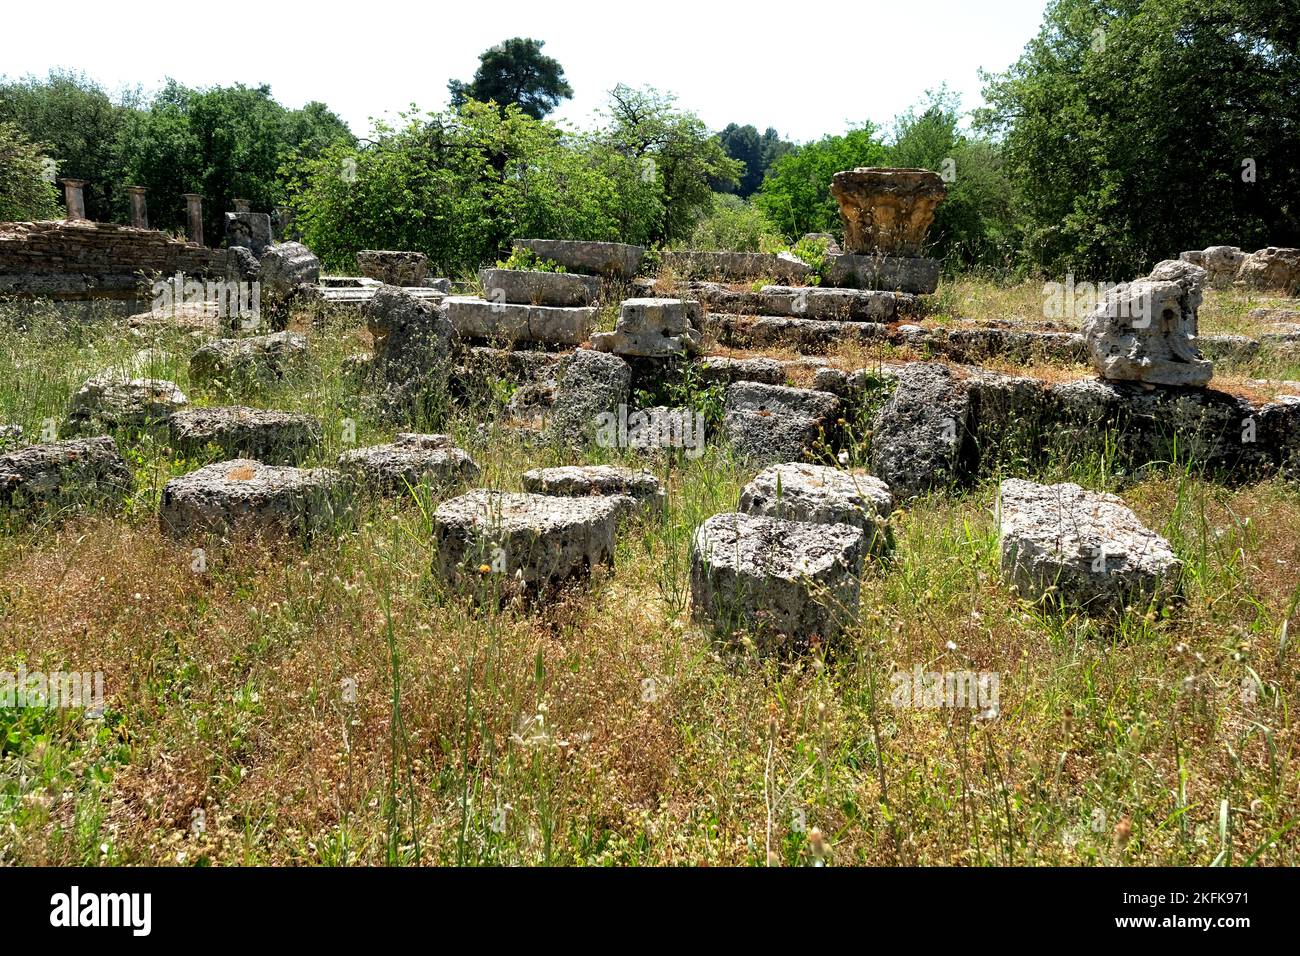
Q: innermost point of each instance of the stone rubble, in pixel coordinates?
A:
(1081, 549)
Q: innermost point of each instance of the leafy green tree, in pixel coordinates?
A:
(515, 71)
(458, 186)
(757, 152)
(77, 124)
(974, 225)
(223, 142)
(796, 194)
(674, 150)
(1134, 129)
(25, 191)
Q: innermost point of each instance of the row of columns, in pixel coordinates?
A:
(75, 197)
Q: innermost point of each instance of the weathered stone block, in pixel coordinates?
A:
(248, 230)
(652, 328)
(271, 437)
(589, 384)
(787, 583)
(720, 369)
(410, 461)
(917, 437)
(1146, 331)
(534, 542)
(263, 358)
(109, 401)
(640, 488)
(1081, 549)
(412, 358)
(245, 496)
(393, 267)
(518, 286)
(503, 322)
(913, 275)
(773, 423)
(64, 472)
(822, 495)
(612, 259)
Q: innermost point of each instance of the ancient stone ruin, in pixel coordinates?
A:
(1147, 332)
(582, 356)
(886, 214)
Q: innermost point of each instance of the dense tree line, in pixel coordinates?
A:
(223, 142)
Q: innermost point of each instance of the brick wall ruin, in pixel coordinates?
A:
(80, 260)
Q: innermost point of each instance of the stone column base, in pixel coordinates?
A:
(892, 273)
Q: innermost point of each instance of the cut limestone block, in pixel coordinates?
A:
(501, 321)
(806, 302)
(411, 460)
(724, 370)
(916, 276)
(539, 288)
(109, 401)
(808, 336)
(263, 358)
(590, 387)
(576, 481)
(248, 496)
(919, 435)
(652, 328)
(612, 259)
(773, 423)
(738, 266)
(62, 472)
(822, 495)
(534, 542)
(274, 438)
(392, 267)
(786, 582)
(1081, 549)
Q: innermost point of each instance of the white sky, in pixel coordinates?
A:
(804, 68)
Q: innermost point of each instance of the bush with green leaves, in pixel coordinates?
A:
(25, 191)
(459, 186)
(528, 261)
(735, 226)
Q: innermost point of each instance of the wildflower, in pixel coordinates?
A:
(817, 843)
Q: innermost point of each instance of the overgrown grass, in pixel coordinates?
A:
(337, 704)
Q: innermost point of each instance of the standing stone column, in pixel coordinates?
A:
(76, 200)
(243, 205)
(194, 217)
(139, 210)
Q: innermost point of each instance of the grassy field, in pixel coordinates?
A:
(607, 728)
